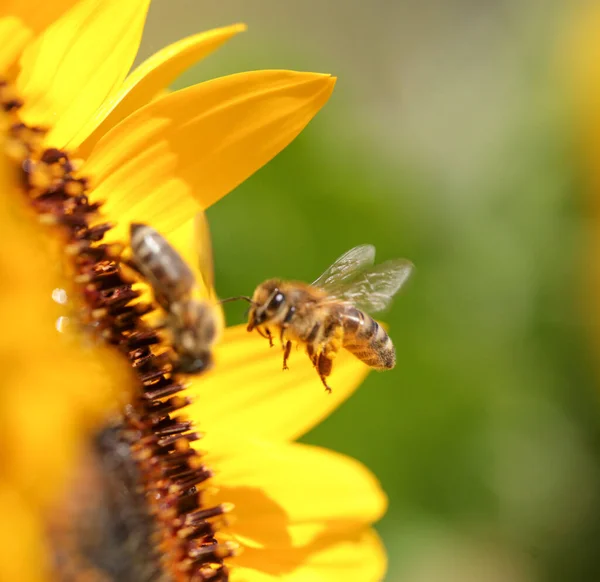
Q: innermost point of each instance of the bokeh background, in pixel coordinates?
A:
(451, 139)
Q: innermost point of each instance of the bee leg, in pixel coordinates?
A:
(333, 336)
(266, 334)
(324, 366)
(282, 338)
(286, 354)
(310, 351)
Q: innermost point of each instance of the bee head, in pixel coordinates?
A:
(267, 304)
(194, 363)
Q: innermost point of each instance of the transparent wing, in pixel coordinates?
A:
(373, 289)
(346, 268)
(204, 253)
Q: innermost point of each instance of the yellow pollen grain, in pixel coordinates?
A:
(195, 462)
(56, 170)
(227, 507)
(73, 188)
(15, 149)
(75, 248)
(41, 178)
(99, 313)
(182, 445)
(228, 549)
(185, 532)
(80, 279)
(144, 454)
(48, 219)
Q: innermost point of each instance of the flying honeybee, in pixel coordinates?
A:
(194, 324)
(331, 313)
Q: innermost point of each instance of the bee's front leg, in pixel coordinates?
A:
(266, 334)
(282, 337)
(312, 355)
(286, 346)
(270, 336)
(286, 354)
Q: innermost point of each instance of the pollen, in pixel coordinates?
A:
(144, 478)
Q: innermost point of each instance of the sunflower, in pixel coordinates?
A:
(104, 477)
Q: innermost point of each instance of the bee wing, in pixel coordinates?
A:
(345, 269)
(205, 255)
(373, 289)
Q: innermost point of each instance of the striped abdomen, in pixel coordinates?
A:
(160, 264)
(367, 340)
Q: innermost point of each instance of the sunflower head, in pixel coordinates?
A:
(103, 477)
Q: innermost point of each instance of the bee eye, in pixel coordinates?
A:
(277, 300)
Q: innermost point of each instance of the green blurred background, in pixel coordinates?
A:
(448, 142)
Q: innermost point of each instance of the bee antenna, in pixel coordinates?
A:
(229, 299)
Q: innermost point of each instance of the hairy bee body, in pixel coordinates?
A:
(367, 340)
(331, 313)
(191, 322)
(160, 264)
(306, 315)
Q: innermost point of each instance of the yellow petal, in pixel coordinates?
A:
(193, 242)
(193, 146)
(23, 555)
(35, 15)
(20, 20)
(249, 392)
(77, 63)
(14, 35)
(289, 495)
(358, 556)
(151, 78)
